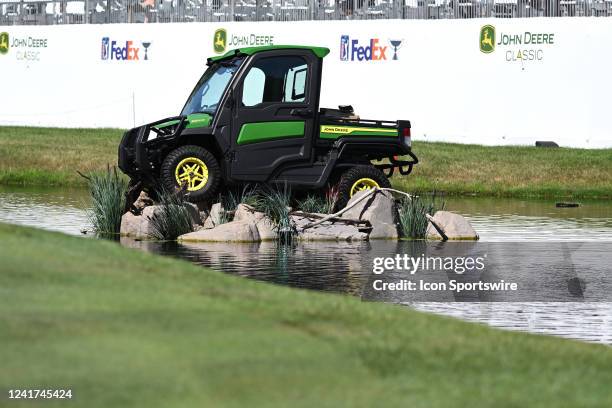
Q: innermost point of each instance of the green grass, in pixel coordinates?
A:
(46, 156)
(52, 156)
(123, 328)
(510, 171)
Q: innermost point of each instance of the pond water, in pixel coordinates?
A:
(346, 268)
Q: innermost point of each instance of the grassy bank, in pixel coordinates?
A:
(510, 171)
(52, 156)
(123, 328)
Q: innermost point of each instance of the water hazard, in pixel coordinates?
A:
(342, 268)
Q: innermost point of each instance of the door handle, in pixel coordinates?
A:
(305, 113)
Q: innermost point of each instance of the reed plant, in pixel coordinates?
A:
(275, 202)
(317, 203)
(107, 191)
(313, 203)
(412, 214)
(173, 218)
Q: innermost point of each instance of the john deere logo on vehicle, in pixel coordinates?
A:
(487, 39)
(220, 41)
(4, 43)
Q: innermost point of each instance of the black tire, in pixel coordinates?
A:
(175, 157)
(352, 176)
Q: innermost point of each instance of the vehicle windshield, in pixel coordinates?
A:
(209, 90)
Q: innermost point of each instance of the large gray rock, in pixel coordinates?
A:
(135, 226)
(379, 209)
(327, 231)
(455, 226)
(264, 225)
(235, 231)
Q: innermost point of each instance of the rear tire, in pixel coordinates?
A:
(359, 178)
(193, 167)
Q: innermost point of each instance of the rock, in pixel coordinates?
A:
(194, 214)
(214, 216)
(235, 231)
(245, 212)
(143, 201)
(333, 232)
(379, 209)
(455, 226)
(327, 231)
(138, 226)
(203, 217)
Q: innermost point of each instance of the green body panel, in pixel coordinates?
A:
(195, 120)
(318, 51)
(198, 120)
(166, 124)
(264, 131)
(336, 132)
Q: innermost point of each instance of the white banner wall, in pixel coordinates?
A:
(489, 81)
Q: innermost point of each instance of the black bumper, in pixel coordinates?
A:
(136, 155)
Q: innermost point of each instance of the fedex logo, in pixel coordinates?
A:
(111, 50)
(373, 50)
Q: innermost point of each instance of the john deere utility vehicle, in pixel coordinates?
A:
(254, 117)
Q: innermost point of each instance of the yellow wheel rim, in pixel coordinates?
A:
(191, 172)
(363, 184)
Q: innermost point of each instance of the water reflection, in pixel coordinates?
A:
(567, 288)
(322, 266)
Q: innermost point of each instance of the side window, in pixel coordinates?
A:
(253, 88)
(276, 80)
(295, 85)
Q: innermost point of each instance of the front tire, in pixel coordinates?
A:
(357, 179)
(193, 168)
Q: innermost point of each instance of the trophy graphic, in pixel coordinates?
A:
(146, 46)
(396, 44)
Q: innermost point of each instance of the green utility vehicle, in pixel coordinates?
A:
(254, 117)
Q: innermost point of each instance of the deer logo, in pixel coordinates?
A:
(4, 43)
(487, 39)
(220, 41)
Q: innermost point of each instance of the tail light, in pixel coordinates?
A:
(406, 135)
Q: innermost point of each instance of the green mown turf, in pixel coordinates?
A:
(510, 171)
(52, 156)
(123, 328)
(44, 156)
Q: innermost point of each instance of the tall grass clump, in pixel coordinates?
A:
(316, 203)
(275, 203)
(313, 203)
(413, 221)
(173, 218)
(108, 201)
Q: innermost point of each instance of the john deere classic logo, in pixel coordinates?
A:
(487, 39)
(4, 43)
(220, 41)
